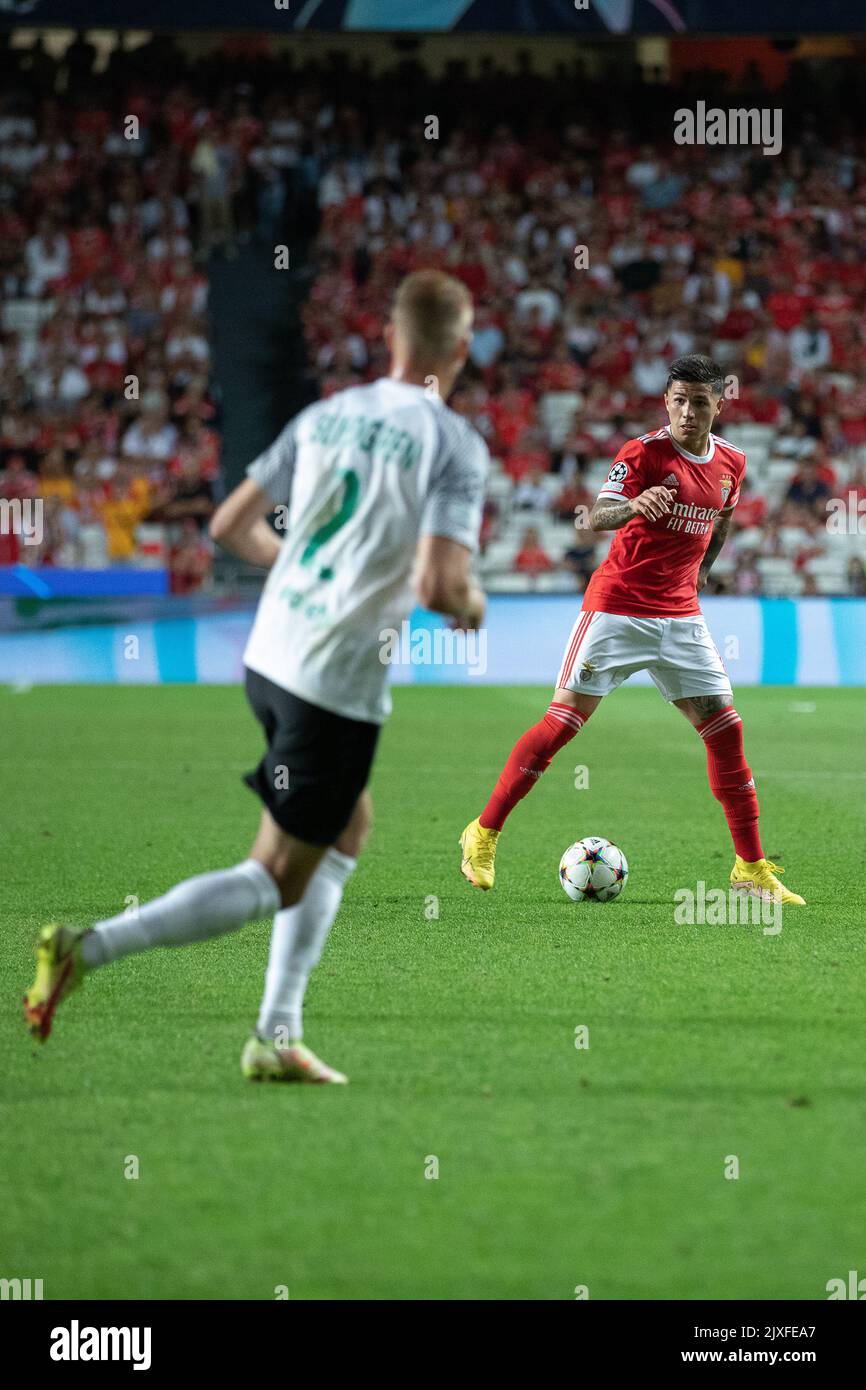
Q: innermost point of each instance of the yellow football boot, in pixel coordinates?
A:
(479, 855)
(264, 1061)
(59, 970)
(759, 881)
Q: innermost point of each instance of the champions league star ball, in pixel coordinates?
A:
(593, 870)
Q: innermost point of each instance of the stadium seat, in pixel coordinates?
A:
(828, 569)
(794, 539)
(748, 435)
(777, 479)
(498, 557)
(777, 574)
(557, 582)
(513, 584)
(557, 410)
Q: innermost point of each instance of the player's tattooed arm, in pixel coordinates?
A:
(653, 503)
(717, 540)
(609, 516)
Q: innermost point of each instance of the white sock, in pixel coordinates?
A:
(297, 941)
(204, 906)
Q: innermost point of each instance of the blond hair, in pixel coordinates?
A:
(434, 311)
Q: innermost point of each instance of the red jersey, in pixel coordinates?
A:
(651, 569)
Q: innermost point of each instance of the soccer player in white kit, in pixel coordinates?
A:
(381, 490)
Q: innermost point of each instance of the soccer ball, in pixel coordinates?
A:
(593, 870)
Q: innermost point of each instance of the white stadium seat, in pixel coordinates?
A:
(499, 555)
(558, 582)
(777, 479)
(747, 435)
(830, 568)
(778, 575)
(510, 584)
(794, 539)
(557, 410)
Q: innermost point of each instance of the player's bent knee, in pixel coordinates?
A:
(585, 704)
(290, 862)
(698, 708)
(292, 881)
(357, 832)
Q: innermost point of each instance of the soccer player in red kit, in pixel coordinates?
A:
(669, 497)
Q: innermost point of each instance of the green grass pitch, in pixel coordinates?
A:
(558, 1167)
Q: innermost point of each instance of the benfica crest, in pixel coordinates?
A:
(727, 485)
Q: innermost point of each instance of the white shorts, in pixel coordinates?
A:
(604, 649)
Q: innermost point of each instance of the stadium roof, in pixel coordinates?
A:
(597, 17)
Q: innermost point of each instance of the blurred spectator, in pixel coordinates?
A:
(488, 340)
(581, 558)
(747, 578)
(532, 559)
(47, 253)
(808, 489)
(125, 503)
(528, 457)
(197, 451)
(185, 495)
(54, 479)
(215, 165)
(59, 533)
(531, 493)
(571, 496)
(16, 480)
(190, 560)
(809, 346)
(856, 576)
(751, 509)
(151, 439)
(795, 442)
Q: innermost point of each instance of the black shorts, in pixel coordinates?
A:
(316, 764)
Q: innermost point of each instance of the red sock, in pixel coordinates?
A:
(731, 780)
(530, 756)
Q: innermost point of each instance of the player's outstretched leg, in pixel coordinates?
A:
(733, 786)
(529, 758)
(201, 907)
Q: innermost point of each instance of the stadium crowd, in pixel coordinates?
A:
(107, 409)
(595, 248)
(593, 264)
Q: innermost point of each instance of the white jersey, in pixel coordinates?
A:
(361, 475)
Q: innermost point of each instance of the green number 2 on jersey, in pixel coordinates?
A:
(345, 510)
